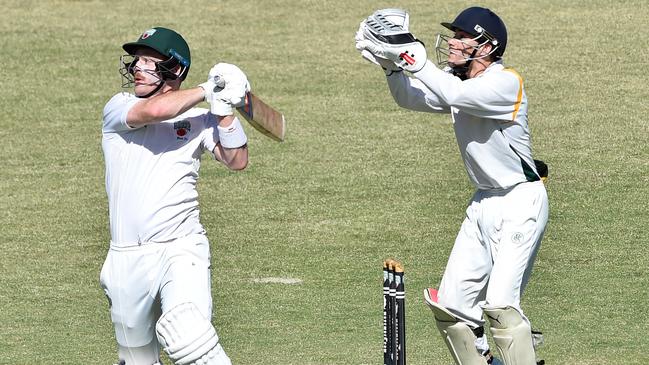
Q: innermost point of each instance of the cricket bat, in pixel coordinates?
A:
(260, 115)
(263, 117)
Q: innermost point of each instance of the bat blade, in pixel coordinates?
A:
(263, 117)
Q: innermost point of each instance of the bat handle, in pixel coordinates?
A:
(219, 83)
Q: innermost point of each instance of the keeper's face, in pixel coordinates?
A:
(461, 47)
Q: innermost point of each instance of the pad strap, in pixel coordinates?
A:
(188, 337)
(459, 337)
(512, 335)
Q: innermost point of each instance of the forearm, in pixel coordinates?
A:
(232, 150)
(164, 106)
(232, 158)
(446, 87)
(412, 94)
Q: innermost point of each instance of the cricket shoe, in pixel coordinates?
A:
(491, 360)
(495, 361)
(538, 340)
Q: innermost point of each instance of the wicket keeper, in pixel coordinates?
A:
(492, 258)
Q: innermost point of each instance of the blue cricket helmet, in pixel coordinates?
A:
(482, 22)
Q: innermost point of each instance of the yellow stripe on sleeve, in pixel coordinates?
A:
(519, 97)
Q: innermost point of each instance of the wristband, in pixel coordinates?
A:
(232, 136)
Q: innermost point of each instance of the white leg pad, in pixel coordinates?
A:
(512, 335)
(148, 354)
(458, 336)
(189, 338)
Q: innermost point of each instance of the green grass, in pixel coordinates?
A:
(357, 180)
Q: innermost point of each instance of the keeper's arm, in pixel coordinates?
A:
(492, 95)
(410, 93)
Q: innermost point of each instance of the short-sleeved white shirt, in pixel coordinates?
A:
(489, 118)
(152, 171)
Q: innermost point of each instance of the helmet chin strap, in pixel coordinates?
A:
(461, 71)
(160, 84)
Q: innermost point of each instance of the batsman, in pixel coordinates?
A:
(493, 254)
(157, 271)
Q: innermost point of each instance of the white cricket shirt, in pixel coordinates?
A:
(489, 118)
(151, 172)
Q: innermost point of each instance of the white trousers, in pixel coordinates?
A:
(494, 251)
(144, 281)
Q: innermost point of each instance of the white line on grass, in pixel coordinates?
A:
(274, 280)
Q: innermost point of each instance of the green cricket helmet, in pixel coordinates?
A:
(169, 44)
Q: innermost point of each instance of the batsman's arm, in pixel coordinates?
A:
(164, 106)
(234, 155)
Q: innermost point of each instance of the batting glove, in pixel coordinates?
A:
(233, 82)
(218, 106)
(226, 88)
(221, 107)
(209, 86)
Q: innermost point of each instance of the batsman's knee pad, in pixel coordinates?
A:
(189, 338)
(458, 336)
(512, 335)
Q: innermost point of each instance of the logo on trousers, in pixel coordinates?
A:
(518, 237)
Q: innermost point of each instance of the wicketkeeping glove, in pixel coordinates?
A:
(388, 66)
(410, 57)
(386, 35)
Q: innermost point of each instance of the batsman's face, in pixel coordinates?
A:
(145, 76)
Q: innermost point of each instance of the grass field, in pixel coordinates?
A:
(358, 179)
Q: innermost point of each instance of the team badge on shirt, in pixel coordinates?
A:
(182, 129)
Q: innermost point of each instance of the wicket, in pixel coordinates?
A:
(394, 315)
